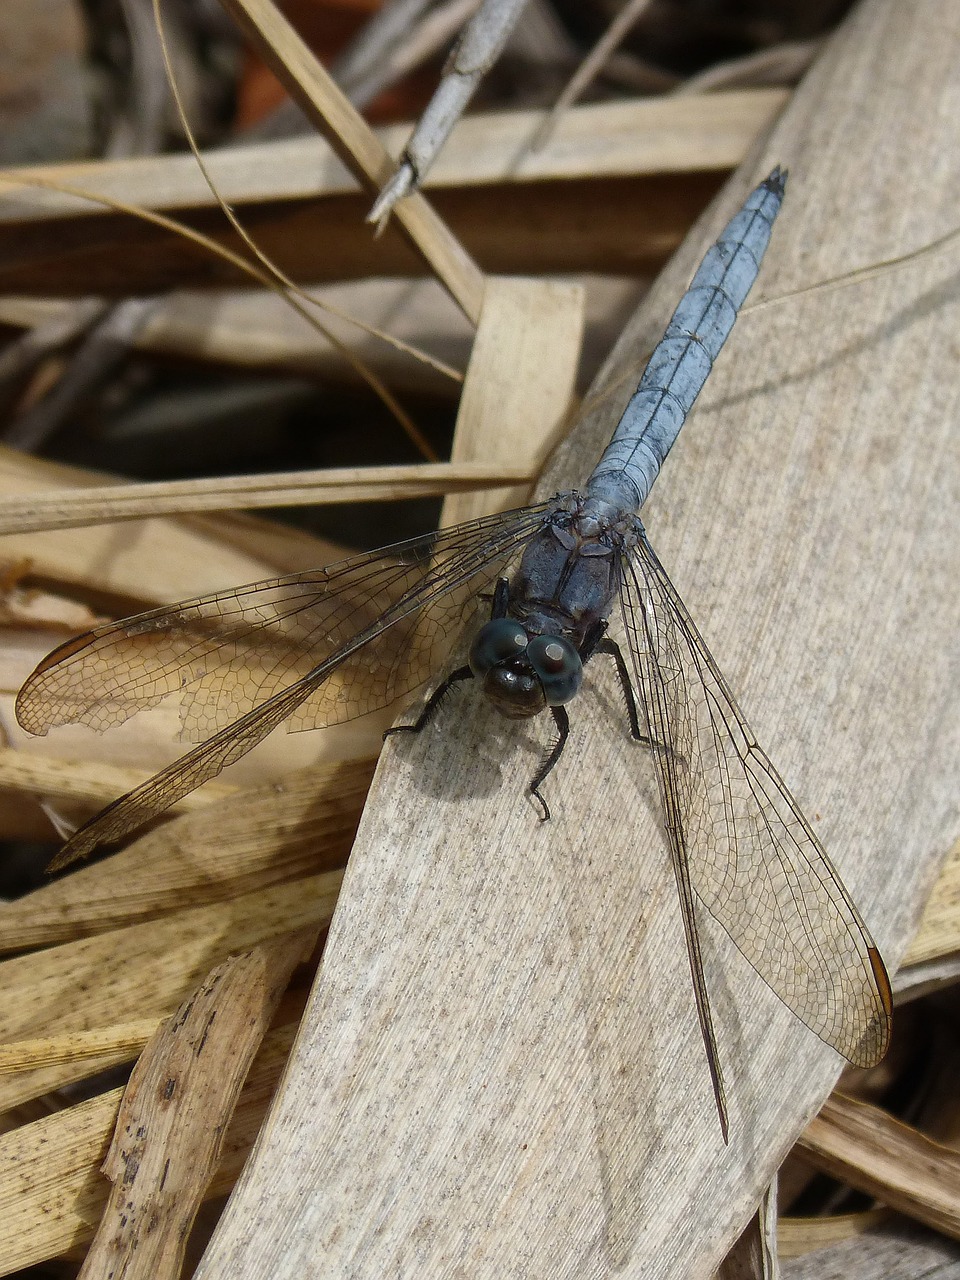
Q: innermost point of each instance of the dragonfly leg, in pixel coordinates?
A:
(498, 599)
(598, 641)
(501, 598)
(433, 702)
(610, 647)
(562, 721)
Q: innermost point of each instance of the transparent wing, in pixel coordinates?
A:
(312, 648)
(225, 654)
(738, 840)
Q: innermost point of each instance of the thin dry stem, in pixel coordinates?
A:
(69, 510)
(590, 67)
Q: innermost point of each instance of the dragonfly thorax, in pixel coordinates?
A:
(523, 674)
(607, 510)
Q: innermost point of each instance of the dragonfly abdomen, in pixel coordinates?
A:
(683, 358)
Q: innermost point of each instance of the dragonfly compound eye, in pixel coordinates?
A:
(497, 641)
(558, 667)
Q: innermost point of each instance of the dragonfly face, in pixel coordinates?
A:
(520, 674)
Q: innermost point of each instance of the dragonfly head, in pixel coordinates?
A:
(520, 674)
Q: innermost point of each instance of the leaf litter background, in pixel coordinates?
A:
(140, 383)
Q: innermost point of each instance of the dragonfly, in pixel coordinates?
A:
(323, 647)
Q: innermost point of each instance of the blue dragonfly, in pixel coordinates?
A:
(319, 648)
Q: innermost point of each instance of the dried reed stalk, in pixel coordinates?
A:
(356, 144)
(231, 493)
(173, 1118)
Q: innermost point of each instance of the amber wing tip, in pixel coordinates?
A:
(875, 1041)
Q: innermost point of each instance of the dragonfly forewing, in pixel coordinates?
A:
(309, 650)
(224, 654)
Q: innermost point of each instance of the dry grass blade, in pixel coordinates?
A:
(798, 1236)
(248, 328)
(290, 291)
(656, 156)
(590, 67)
(51, 1188)
(872, 1151)
(93, 782)
(280, 186)
(755, 1254)
(777, 64)
(153, 562)
(862, 275)
(176, 1108)
(100, 980)
(52, 1192)
(120, 1042)
(239, 493)
(638, 138)
(518, 390)
(67, 320)
(355, 143)
(129, 318)
(258, 837)
(898, 1248)
(631, 229)
(938, 933)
